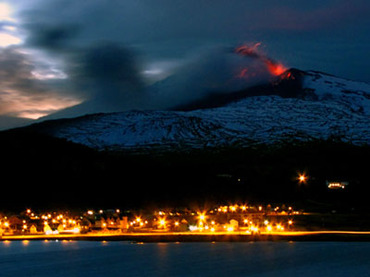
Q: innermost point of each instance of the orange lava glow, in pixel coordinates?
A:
(275, 68)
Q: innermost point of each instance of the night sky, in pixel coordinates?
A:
(62, 58)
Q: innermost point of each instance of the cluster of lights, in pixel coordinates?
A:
(100, 212)
(270, 227)
(232, 208)
(224, 218)
(4, 223)
(107, 223)
(337, 185)
(248, 209)
(240, 218)
(64, 223)
(139, 222)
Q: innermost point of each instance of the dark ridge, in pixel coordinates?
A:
(42, 172)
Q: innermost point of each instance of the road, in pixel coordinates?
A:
(201, 236)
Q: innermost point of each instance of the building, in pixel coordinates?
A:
(336, 185)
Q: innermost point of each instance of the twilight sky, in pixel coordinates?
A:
(69, 57)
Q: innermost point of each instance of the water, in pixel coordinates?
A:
(106, 259)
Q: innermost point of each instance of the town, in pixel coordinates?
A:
(227, 218)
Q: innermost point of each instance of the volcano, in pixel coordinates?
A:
(295, 106)
(247, 144)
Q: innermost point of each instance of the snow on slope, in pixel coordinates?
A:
(355, 95)
(335, 108)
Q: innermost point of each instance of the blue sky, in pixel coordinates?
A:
(49, 48)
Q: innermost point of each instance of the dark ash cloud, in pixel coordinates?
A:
(107, 76)
(50, 36)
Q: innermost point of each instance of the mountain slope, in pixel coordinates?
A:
(44, 166)
(297, 106)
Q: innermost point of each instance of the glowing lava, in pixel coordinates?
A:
(275, 68)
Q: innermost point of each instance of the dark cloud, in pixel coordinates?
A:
(286, 26)
(146, 20)
(106, 71)
(109, 63)
(107, 76)
(213, 70)
(49, 36)
(320, 18)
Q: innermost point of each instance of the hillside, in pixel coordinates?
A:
(249, 146)
(39, 171)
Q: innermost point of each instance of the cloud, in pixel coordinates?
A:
(211, 71)
(107, 76)
(97, 52)
(107, 63)
(111, 81)
(138, 21)
(50, 36)
(21, 94)
(323, 17)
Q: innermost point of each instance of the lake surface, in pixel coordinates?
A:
(106, 259)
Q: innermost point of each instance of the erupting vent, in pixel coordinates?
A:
(275, 68)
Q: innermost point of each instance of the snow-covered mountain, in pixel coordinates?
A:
(298, 105)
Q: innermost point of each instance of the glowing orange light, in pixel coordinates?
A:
(230, 229)
(302, 178)
(162, 222)
(25, 242)
(275, 68)
(288, 76)
(202, 217)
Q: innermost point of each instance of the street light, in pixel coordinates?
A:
(302, 178)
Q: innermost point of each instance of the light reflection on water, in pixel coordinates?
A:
(83, 258)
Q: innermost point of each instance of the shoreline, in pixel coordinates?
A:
(345, 236)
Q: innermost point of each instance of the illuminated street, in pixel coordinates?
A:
(199, 236)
